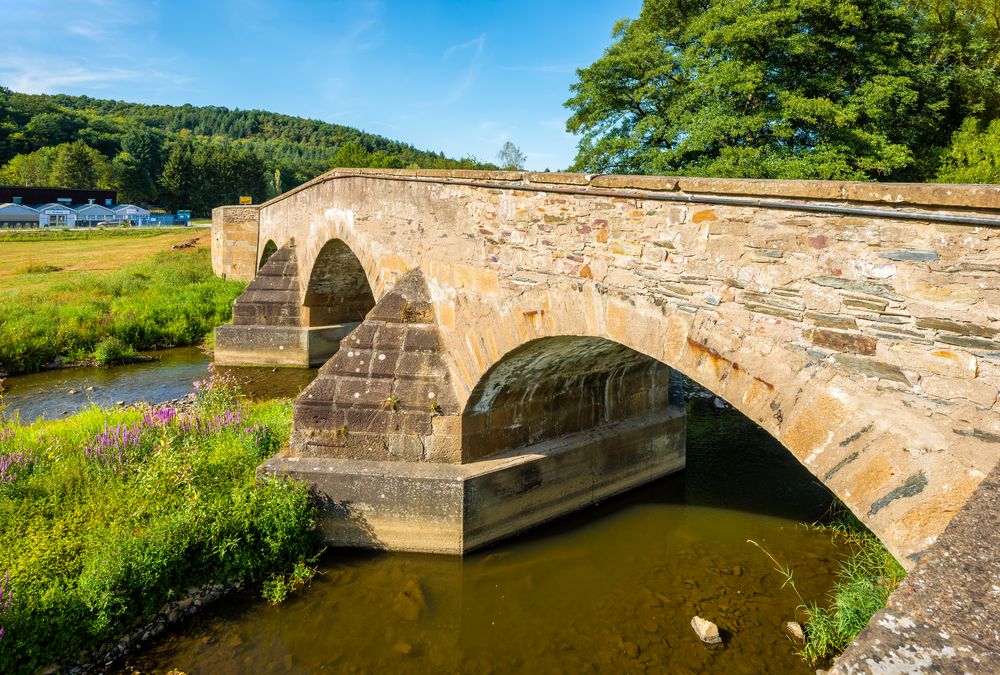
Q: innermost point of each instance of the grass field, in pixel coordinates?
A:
(83, 251)
(64, 294)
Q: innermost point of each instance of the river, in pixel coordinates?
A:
(608, 589)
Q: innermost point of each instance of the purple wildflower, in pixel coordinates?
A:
(159, 417)
(13, 460)
(110, 446)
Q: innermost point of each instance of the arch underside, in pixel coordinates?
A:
(337, 290)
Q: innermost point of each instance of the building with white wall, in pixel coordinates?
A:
(89, 215)
(56, 215)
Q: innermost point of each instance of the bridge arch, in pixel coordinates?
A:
(554, 386)
(270, 248)
(337, 290)
(875, 454)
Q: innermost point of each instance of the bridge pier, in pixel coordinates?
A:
(272, 327)
(403, 460)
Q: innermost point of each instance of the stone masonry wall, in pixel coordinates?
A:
(234, 242)
(867, 345)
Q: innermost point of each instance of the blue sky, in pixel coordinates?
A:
(460, 77)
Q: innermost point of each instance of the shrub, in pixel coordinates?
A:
(112, 351)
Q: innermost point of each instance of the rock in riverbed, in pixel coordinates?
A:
(794, 628)
(707, 631)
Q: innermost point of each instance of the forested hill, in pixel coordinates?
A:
(182, 156)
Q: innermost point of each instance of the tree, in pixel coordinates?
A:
(52, 128)
(133, 182)
(146, 146)
(30, 170)
(77, 165)
(510, 157)
(974, 155)
(835, 89)
(179, 180)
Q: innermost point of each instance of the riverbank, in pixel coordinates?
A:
(107, 516)
(104, 299)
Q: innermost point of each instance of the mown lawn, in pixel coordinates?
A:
(107, 515)
(63, 298)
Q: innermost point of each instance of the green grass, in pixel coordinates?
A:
(171, 299)
(94, 541)
(68, 234)
(867, 575)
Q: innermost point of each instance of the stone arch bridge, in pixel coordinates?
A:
(498, 346)
(498, 350)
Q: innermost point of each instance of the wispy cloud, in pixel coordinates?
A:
(49, 75)
(470, 73)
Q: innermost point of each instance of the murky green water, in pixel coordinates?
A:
(57, 393)
(611, 589)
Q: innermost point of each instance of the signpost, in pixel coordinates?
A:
(245, 200)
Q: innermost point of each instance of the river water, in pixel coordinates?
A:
(610, 589)
(53, 394)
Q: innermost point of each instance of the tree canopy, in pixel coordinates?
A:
(828, 89)
(182, 156)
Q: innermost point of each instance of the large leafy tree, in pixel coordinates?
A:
(834, 89)
(77, 165)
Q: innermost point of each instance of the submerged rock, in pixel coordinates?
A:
(707, 631)
(410, 602)
(794, 628)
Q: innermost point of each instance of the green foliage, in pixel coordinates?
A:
(867, 575)
(111, 351)
(172, 300)
(974, 155)
(187, 157)
(93, 544)
(77, 165)
(829, 89)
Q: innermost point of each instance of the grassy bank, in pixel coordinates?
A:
(109, 514)
(867, 575)
(170, 297)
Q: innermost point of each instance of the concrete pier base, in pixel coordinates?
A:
(457, 508)
(288, 346)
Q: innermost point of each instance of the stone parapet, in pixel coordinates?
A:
(895, 195)
(945, 617)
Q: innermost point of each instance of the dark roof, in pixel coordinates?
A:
(44, 195)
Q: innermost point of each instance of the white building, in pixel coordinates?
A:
(132, 213)
(17, 216)
(56, 215)
(89, 215)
